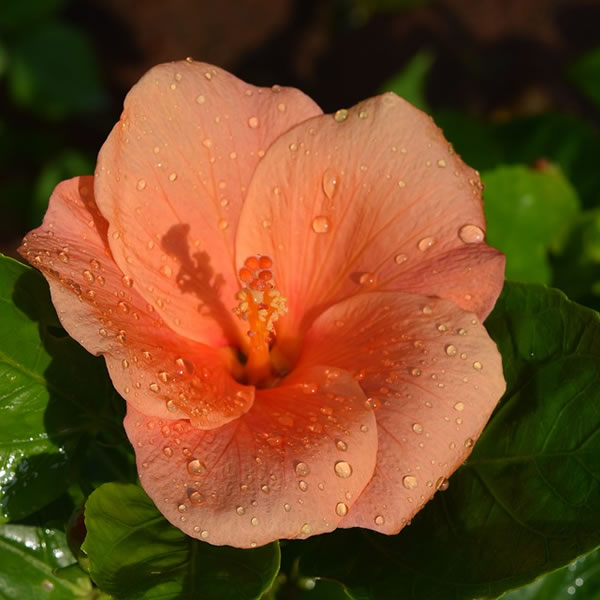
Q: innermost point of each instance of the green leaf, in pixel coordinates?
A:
(36, 563)
(67, 164)
(410, 82)
(53, 395)
(576, 268)
(580, 579)
(528, 499)
(135, 553)
(53, 72)
(585, 73)
(567, 141)
(528, 213)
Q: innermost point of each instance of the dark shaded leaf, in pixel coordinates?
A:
(134, 552)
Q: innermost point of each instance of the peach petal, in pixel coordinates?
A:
(373, 198)
(153, 368)
(433, 377)
(171, 179)
(289, 468)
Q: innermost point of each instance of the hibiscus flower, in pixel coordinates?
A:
(289, 302)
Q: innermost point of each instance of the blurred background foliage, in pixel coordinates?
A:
(515, 84)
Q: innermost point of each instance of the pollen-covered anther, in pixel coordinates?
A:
(261, 305)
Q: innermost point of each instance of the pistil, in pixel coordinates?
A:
(261, 305)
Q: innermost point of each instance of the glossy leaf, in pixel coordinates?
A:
(528, 499)
(580, 580)
(528, 212)
(134, 552)
(36, 563)
(53, 395)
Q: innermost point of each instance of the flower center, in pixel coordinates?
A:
(260, 305)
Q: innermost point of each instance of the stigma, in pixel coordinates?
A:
(260, 305)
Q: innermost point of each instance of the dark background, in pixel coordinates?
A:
(65, 66)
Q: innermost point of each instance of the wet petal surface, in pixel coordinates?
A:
(171, 179)
(372, 198)
(291, 467)
(432, 375)
(153, 368)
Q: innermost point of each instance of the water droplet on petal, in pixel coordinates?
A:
(341, 509)
(321, 224)
(306, 528)
(196, 467)
(451, 350)
(343, 469)
(471, 234)
(442, 484)
(341, 115)
(415, 372)
(477, 365)
(329, 183)
(379, 520)
(254, 521)
(368, 279)
(425, 243)
(400, 258)
(126, 281)
(240, 510)
(197, 498)
(417, 428)
(141, 184)
(459, 406)
(409, 482)
(168, 452)
(223, 224)
(303, 485)
(253, 122)
(302, 469)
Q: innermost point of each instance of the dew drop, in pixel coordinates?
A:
(400, 258)
(240, 510)
(451, 350)
(417, 428)
(196, 467)
(200, 99)
(126, 281)
(343, 469)
(341, 509)
(329, 183)
(302, 469)
(341, 115)
(287, 507)
(89, 276)
(368, 279)
(468, 442)
(166, 271)
(441, 163)
(306, 528)
(379, 520)
(416, 372)
(223, 224)
(167, 451)
(471, 234)
(442, 484)
(321, 224)
(154, 387)
(409, 482)
(197, 498)
(303, 485)
(425, 243)
(459, 406)
(141, 184)
(477, 365)
(172, 176)
(253, 122)
(363, 114)
(341, 445)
